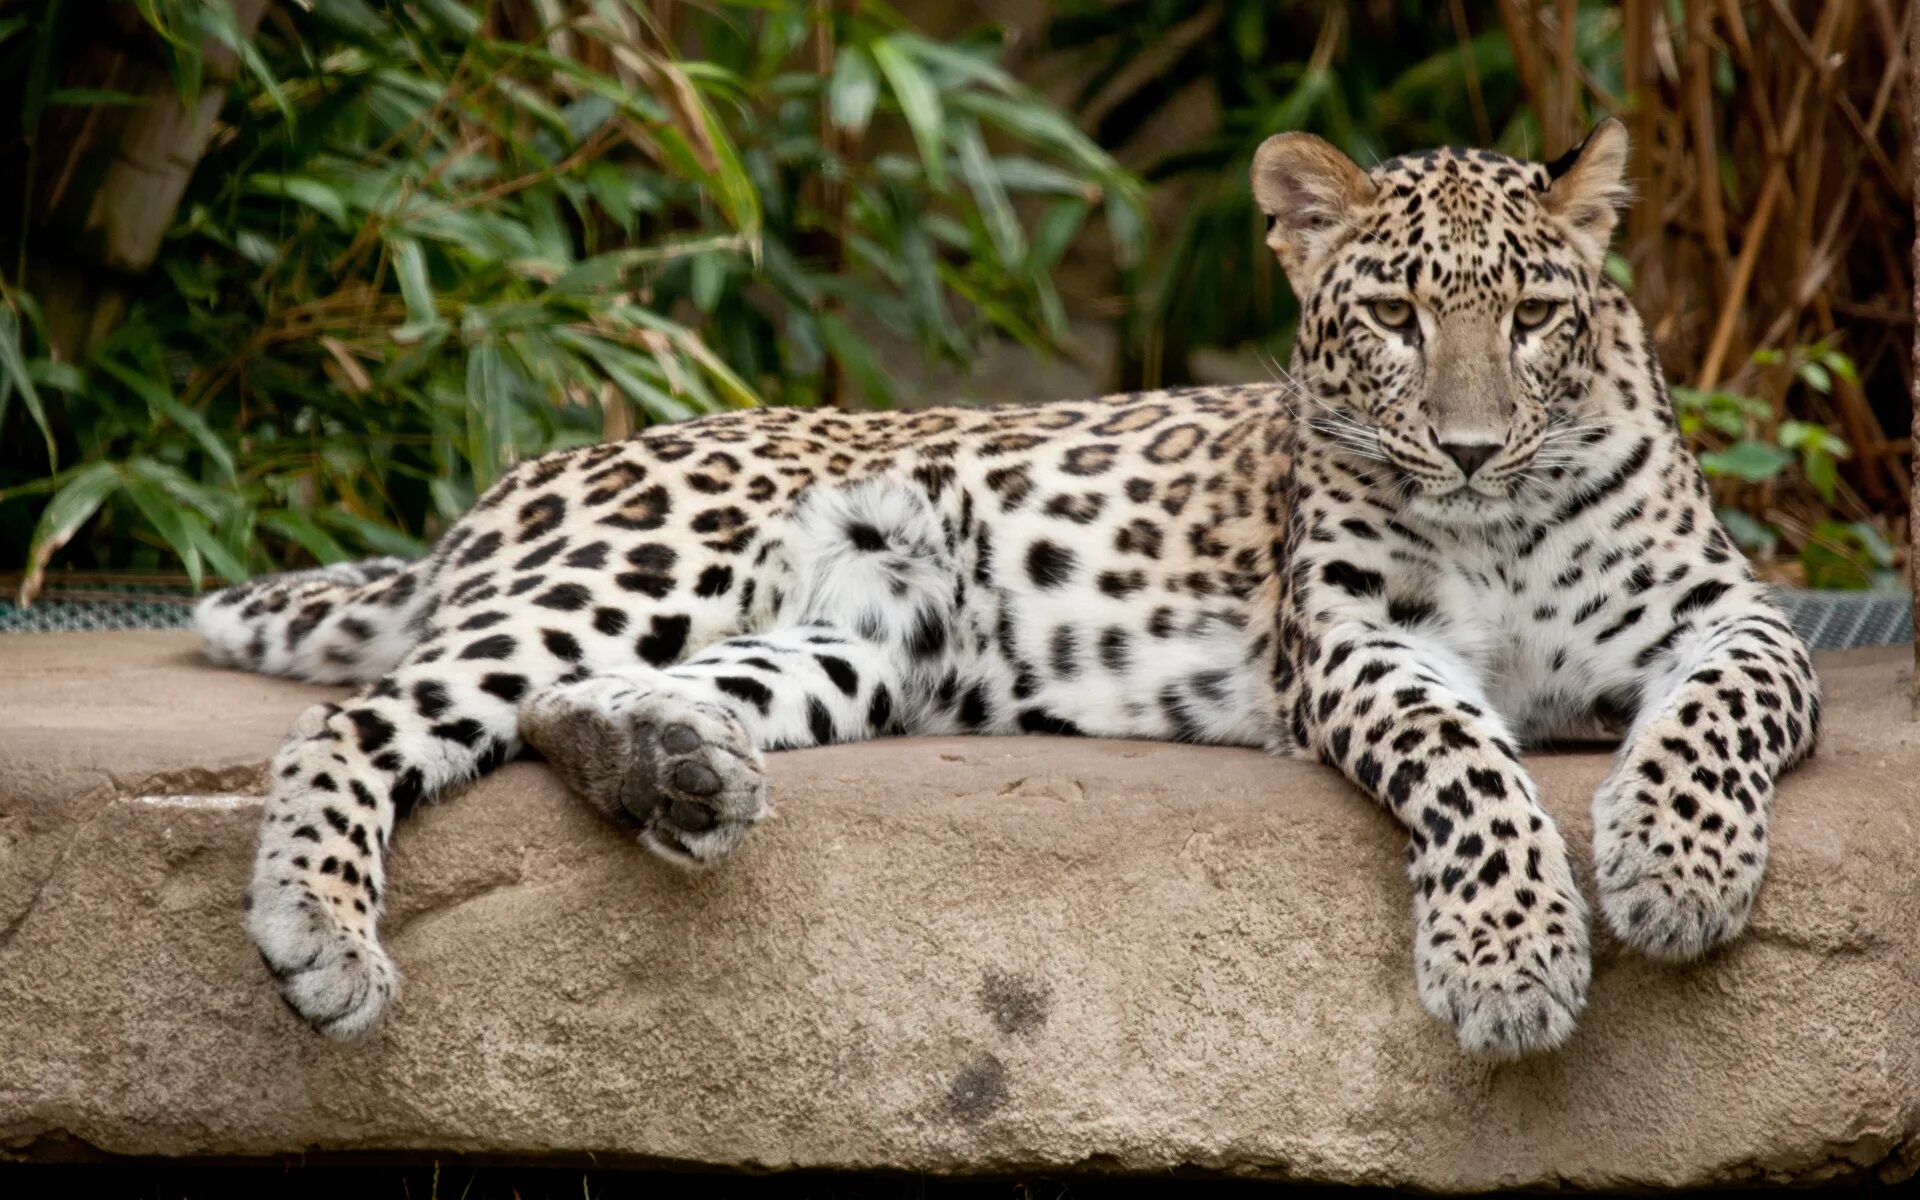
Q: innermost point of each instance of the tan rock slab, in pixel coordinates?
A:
(947, 955)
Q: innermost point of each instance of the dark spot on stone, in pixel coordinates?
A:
(1014, 1004)
(979, 1090)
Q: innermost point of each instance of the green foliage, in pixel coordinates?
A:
(431, 239)
(1848, 555)
(1375, 80)
(1737, 420)
(1747, 446)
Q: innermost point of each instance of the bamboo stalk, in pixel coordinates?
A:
(1755, 233)
(1737, 38)
(1482, 126)
(1797, 38)
(1518, 23)
(1636, 29)
(1713, 218)
(1564, 133)
(108, 198)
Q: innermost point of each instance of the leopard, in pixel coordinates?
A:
(1461, 520)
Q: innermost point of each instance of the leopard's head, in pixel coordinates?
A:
(1447, 305)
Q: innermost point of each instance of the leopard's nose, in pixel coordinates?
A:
(1470, 456)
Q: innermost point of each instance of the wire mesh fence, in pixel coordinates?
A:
(1826, 620)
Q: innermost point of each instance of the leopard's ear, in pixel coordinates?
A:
(1307, 188)
(1590, 186)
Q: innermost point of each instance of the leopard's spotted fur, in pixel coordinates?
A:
(1465, 521)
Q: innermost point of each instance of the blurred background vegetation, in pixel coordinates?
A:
(284, 282)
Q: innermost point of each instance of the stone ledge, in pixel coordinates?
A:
(944, 955)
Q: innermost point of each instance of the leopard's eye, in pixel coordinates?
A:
(1532, 314)
(1394, 314)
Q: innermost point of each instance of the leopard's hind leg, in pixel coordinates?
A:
(869, 633)
(872, 618)
(447, 712)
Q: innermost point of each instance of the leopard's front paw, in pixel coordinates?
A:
(338, 980)
(1505, 963)
(1679, 848)
(681, 772)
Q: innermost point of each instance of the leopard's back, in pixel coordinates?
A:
(1143, 512)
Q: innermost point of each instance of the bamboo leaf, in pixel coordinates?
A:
(1128, 226)
(689, 343)
(70, 507)
(298, 528)
(1043, 126)
(853, 90)
(1021, 174)
(489, 403)
(610, 270)
(209, 545)
(316, 195)
(738, 196)
(223, 25)
(163, 404)
(959, 64)
(1748, 532)
(709, 273)
(1823, 472)
(410, 267)
(381, 539)
(919, 103)
(33, 97)
(1057, 228)
(63, 377)
(213, 503)
(995, 210)
(170, 522)
(14, 375)
(919, 265)
(453, 16)
(1755, 462)
(852, 354)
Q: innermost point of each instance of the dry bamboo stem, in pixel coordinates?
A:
(1705, 147)
(1755, 234)
(1566, 79)
(1520, 36)
(1482, 126)
(110, 191)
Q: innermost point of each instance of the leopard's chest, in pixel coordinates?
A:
(1537, 633)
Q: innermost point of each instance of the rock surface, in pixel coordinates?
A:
(944, 955)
